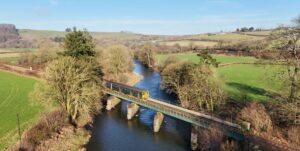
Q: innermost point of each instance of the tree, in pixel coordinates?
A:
(74, 83)
(46, 52)
(237, 30)
(147, 55)
(116, 60)
(193, 83)
(251, 29)
(68, 29)
(244, 29)
(284, 42)
(206, 58)
(79, 44)
(177, 46)
(192, 46)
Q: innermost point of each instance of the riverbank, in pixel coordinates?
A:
(67, 137)
(133, 78)
(75, 139)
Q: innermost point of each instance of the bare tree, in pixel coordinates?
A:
(116, 60)
(147, 55)
(285, 43)
(193, 83)
(75, 84)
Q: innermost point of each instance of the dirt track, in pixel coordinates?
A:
(20, 70)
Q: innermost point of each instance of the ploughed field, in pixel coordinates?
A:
(14, 99)
(242, 82)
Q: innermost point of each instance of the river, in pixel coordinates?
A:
(113, 132)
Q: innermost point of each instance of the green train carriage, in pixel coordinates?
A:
(129, 90)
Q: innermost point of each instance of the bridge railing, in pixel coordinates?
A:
(199, 119)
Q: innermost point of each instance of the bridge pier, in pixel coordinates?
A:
(112, 101)
(132, 109)
(194, 137)
(158, 119)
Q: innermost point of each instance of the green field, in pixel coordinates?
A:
(193, 56)
(228, 37)
(9, 57)
(241, 81)
(14, 99)
(259, 33)
(250, 82)
(186, 43)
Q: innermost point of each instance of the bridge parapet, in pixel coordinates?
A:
(199, 119)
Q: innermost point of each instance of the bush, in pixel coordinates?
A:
(51, 123)
(209, 139)
(293, 135)
(285, 114)
(256, 114)
(230, 146)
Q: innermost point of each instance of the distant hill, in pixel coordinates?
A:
(8, 32)
(9, 37)
(100, 37)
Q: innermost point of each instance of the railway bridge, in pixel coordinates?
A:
(195, 118)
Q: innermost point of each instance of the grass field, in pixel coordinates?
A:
(193, 56)
(227, 37)
(186, 43)
(9, 57)
(14, 99)
(241, 81)
(250, 82)
(260, 33)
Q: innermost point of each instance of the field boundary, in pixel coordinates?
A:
(253, 63)
(35, 74)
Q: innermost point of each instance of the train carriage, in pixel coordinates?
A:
(133, 91)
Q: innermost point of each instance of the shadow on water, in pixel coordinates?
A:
(113, 132)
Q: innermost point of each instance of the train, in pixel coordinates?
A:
(132, 91)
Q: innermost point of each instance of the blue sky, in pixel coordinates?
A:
(148, 16)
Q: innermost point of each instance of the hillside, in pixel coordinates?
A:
(42, 34)
(211, 40)
(9, 37)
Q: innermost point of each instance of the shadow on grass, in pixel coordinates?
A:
(249, 93)
(246, 89)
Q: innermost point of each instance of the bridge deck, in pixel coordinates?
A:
(200, 119)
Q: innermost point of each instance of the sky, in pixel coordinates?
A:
(163, 17)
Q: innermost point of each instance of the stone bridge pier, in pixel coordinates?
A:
(132, 109)
(194, 137)
(158, 119)
(112, 101)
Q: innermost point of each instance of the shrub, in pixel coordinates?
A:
(230, 146)
(293, 135)
(49, 124)
(209, 139)
(256, 114)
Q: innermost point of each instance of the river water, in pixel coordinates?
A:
(113, 132)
